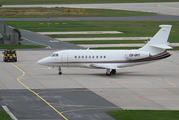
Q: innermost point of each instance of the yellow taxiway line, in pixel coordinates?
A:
(23, 74)
(18, 79)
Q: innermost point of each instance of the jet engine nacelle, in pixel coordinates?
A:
(136, 54)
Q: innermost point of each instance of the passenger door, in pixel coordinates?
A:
(64, 59)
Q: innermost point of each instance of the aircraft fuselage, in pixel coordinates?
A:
(95, 58)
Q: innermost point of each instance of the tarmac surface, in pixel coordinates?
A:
(50, 97)
(34, 92)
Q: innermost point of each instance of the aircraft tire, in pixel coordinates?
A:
(113, 71)
(59, 73)
(108, 74)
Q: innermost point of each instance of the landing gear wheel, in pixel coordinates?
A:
(113, 71)
(108, 72)
(60, 71)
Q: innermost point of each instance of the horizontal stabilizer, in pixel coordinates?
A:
(162, 46)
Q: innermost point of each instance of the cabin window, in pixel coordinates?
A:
(56, 55)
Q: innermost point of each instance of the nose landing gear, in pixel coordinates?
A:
(108, 72)
(60, 70)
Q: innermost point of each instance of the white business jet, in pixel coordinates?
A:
(111, 60)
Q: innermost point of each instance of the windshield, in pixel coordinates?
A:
(54, 55)
(11, 52)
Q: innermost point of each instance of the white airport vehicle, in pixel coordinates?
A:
(111, 60)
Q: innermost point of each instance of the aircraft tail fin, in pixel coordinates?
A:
(158, 43)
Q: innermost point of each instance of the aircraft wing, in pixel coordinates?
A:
(105, 66)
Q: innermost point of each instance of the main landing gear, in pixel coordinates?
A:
(60, 70)
(108, 72)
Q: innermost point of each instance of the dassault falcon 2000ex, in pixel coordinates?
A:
(111, 60)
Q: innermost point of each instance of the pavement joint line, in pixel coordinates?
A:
(103, 89)
(82, 109)
(18, 79)
(9, 112)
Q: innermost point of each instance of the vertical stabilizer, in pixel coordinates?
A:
(158, 43)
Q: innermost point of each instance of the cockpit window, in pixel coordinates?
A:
(54, 55)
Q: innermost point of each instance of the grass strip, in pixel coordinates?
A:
(4, 115)
(107, 42)
(4, 46)
(145, 114)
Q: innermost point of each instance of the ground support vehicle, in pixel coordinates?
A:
(10, 55)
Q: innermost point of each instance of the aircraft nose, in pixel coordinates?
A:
(41, 62)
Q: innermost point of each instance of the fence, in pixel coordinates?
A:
(10, 36)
